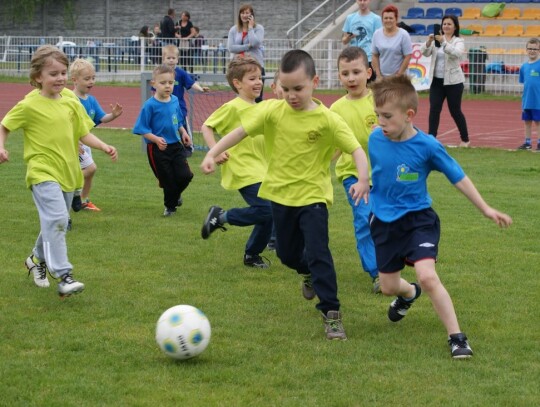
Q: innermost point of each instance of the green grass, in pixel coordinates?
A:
(267, 346)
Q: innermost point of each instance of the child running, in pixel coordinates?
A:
(357, 109)
(160, 123)
(301, 135)
(243, 166)
(404, 227)
(53, 121)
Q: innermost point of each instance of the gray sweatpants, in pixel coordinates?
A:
(53, 207)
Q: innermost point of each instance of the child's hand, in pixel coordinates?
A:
(186, 140)
(205, 89)
(501, 219)
(208, 166)
(4, 155)
(222, 158)
(116, 110)
(161, 143)
(111, 151)
(359, 190)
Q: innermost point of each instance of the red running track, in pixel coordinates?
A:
(491, 123)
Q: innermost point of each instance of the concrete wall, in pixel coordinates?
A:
(124, 18)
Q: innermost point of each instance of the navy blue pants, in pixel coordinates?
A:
(302, 245)
(258, 213)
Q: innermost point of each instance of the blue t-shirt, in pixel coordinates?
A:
(399, 171)
(162, 119)
(92, 107)
(363, 28)
(182, 81)
(529, 75)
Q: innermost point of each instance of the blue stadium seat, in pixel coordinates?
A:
(434, 12)
(430, 28)
(445, 1)
(419, 29)
(453, 11)
(415, 12)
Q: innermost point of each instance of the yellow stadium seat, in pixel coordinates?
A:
(516, 51)
(471, 13)
(530, 14)
(493, 30)
(532, 31)
(496, 51)
(513, 31)
(510, 13)
(475, 27)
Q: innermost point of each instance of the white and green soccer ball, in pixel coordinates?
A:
(183, 332)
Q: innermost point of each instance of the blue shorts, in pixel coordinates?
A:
(413, 237)
(530, 115)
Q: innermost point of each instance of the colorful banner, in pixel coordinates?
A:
(419, 68)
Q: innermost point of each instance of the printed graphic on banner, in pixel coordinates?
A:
(419, 69)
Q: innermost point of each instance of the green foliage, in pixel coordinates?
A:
(267, 346)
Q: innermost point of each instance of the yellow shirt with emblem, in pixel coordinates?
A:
(247, 161)
(300, 145)
(360, 115)
(52, 129)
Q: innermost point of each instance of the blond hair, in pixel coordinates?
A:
(161, 69)
(170, 49)
(238, 67)
(41, 58)
(79, 65)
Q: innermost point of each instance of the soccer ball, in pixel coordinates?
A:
(183, 332)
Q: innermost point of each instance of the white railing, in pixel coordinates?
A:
(123, 59)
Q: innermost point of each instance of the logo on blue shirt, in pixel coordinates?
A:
(403, 174)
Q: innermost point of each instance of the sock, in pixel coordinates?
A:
(223, 218)
(412, 298)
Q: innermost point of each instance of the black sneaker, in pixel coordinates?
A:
(212, 222)
(525, 146)
(256, 261)
(307, 287)
(459, 347)
(399, 307)
(76, 203)
(271, 246)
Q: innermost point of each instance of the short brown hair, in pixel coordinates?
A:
(352, 54)
(238, 67)
(396, 89)
(161, 69)
(41, 58)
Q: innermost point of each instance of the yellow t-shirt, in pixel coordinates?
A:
(301, 145)
(360, 115)
(52, 128)
(247, 161)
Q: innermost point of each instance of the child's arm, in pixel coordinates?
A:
(375, 64)
(468, 189)
(200, 88)
(361, 188)
(209, 139)
(4, 133)
(159, 141)
(93, 141)
(186, 140)
(233, 138)
(117, 110)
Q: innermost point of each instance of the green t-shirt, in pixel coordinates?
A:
(247, 161)
(360, 115)
(52, 129)
(300, 146)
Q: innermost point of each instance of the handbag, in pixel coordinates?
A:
(183, 44)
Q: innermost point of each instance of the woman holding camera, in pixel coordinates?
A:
(246, 38)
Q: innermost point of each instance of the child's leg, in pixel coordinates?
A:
(537, 124)
(528, 131)
(432, 285)
(393, 285)
(88, 174)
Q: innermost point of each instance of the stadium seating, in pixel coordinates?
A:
(415, 12)
(471, 13)
(430, 28)
(515, 30)
(434, 12)
(493, 30)
(509, 13)
(532, 31)
(453, 11)
(530, 14)
(475, 27)
(419, 29)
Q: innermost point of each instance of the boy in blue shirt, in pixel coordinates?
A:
(529, 76)
(404, 227)
(160, 122)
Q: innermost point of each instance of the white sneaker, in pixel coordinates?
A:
(39, 270)
(68, 286)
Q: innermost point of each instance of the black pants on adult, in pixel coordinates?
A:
(302, 245)
(171, 169)
(453, 93)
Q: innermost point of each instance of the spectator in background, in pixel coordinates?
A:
(359, 28)
(187, 31)
(530, 100)
(246, 38)
(196, 46)
(447, 77)
(155, 50)
(148, 38)
(168, 29)
(392, 46)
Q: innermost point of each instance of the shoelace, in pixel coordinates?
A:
(41, 269)
(335, 324)
(67, 279)
(262, 260)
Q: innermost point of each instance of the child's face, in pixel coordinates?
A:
(170, 59)
(298, 88)
(52, 78)
(163, 84)
(84, 81)
(393, 120)
(277, 89)
(353, 76)
(251, 84)
(533, 51)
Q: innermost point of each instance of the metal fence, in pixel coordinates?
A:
(492, 66)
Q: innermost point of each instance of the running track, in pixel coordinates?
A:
(494, 124)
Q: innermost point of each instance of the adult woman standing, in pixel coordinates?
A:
(246, 38)
(446, 76)
(187, 31)
(391, 46)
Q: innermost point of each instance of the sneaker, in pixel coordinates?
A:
(307, 287)
(459, 347)
(333, 326)
(465, 144)
(271, 246)
(39, 270)
(525, 146)
(89, 206)
(399, 307)
(169, 212)
(211, 222)
(180, 202)
(256, 261)
(376, 285)
(76, 203)
(68, 286)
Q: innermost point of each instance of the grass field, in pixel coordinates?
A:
(268, 346)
